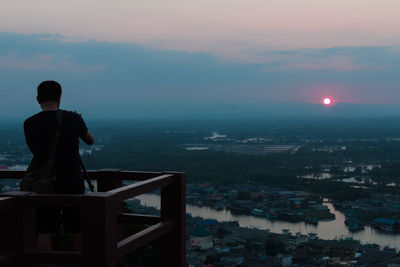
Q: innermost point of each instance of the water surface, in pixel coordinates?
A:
(334, 229)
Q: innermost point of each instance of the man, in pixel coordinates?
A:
(38, 132)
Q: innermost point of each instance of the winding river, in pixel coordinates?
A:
(334, 229)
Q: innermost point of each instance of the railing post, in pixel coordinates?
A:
(99, 230)
(173, 206)
(110, 179)
(8, 226)
(25, 226)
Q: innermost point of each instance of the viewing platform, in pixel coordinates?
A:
(102, 217)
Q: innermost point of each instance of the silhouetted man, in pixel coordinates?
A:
(39, 130)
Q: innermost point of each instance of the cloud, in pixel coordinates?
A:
(13, 60)
(107, 74)
(337, 58)
(339, 63)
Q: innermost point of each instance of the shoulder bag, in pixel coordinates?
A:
(41, 180)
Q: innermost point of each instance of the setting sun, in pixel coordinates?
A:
(327, 101)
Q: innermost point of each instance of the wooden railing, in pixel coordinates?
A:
(101, 218)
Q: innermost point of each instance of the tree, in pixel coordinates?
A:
(274, 246)
(248, 247)
(244, 195)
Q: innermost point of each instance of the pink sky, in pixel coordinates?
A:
(233, 28)
(361, 67)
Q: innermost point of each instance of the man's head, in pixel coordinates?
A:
(49, 91)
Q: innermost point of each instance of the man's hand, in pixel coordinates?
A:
(88, 138)
(76, 112)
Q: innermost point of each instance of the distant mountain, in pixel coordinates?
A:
(262, 110)
(220, 110)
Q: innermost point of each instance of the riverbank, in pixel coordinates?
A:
(229, 243)
(329, 230)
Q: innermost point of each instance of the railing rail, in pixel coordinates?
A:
(101, 217)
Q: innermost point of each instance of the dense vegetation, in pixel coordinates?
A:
(326, 146)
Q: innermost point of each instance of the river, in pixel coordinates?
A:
(334, 229)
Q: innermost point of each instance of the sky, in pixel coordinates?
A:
(123, 54)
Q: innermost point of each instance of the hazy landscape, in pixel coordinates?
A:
(284, 116)
(345, 161)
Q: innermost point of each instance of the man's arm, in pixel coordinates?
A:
(85, 134)
(27, 137)
(88, 138)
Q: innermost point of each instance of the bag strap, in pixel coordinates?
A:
(55, 138)
(85, 174)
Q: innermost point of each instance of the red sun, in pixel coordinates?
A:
(327, 101)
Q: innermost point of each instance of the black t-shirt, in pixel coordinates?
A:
(38, 132)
